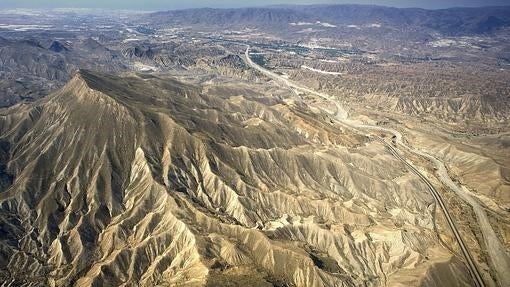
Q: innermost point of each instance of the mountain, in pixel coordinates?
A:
(228, 17)
(145, 181)
(452, 21)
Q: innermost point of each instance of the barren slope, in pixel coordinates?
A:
(146, 181)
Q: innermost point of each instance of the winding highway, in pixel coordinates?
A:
(500, 259)
(469, 259)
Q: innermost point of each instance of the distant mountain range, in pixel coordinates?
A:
(452, 21)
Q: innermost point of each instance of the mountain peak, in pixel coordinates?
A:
(83, 73)
(93, 80)
(87, 86)
(81, 77)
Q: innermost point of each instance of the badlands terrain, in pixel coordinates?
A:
(339, 145)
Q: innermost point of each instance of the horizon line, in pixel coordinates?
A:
(271, 6)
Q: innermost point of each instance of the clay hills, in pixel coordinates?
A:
(141, 181)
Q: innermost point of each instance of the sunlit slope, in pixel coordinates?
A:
(147, 181)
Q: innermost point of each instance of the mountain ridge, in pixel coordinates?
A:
(467, 20)
(211, 183)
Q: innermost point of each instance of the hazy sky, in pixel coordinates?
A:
(172, 4)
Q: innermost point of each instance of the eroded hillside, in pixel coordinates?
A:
(148, 181)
